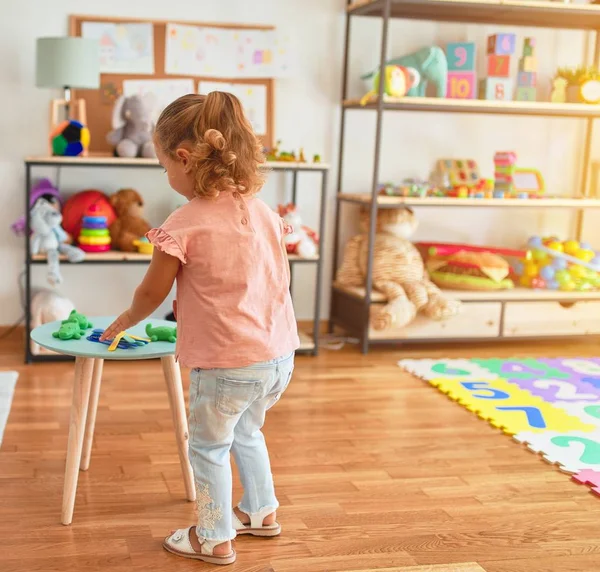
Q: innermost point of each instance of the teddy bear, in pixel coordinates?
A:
(302, 240)
(129, 224)
(398, 271)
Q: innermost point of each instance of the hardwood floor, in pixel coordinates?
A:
(375, 471)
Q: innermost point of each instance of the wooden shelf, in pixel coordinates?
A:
(500, 13)
(514, 295)
(481, 106)
(117, 257)
(398, 202)
(108, 161)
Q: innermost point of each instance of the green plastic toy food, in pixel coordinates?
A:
(161, 333)
(68, 331)
(79, 319)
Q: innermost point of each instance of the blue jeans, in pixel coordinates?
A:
(227, 412)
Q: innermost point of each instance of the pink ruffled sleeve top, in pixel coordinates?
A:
(233, 301)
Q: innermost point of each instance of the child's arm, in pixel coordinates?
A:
(149, 295)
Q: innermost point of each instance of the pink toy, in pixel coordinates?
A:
(95, 247)
(302, 241)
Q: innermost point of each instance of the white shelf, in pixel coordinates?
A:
(108, 161)
(390, 202)
(135, 257)
(516, 294)
(530, 13)
(482, 106)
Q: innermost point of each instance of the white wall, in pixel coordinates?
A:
(307, 115)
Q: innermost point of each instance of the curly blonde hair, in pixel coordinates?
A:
(225, 152)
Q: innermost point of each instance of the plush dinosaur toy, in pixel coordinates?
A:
(161, 333)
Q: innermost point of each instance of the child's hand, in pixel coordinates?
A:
(123, 322)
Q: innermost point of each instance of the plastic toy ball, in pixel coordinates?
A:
(571, 247)
(531, 269)
(555, 245)
(585, 255)
(547, 273)
(525, 281)
(535, 242)
(540, 256)
(538, 283)
(563, 276)
(552, 285)
(585, 246)
(568, 286)
(519, 268)
(577, 271)
(559, 263)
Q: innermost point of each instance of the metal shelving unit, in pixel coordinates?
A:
(308, 342)
(351, 309)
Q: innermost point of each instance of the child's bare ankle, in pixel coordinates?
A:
(222, 549)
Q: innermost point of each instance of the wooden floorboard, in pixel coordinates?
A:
(375, 470)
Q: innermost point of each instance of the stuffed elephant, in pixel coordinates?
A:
(432, 65)
(48, 236)
(132, 127)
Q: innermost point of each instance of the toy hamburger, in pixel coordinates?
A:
(470, 270)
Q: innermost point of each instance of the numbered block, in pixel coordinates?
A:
(428, 369)
(572, 451)
(502, 44)
(498, 66)
(528, 64)
(496, 88)
(526, 94)
(461, 85)
(461, 56)
(527, 79)
(529, 47)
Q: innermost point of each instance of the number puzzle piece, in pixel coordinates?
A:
(522, 368)
(553, 390)
(586, 371)
(506, 406)
(572, 451)
(589, 477)
(428, 369)
(586, 412)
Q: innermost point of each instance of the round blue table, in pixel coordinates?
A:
(89, 361)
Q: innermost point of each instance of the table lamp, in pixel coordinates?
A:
(68, 63)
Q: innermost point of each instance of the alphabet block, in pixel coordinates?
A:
(526, 94)
(496, 88)
(461, 56)
(501, 44)
(528, 64)
(498, 66)
(526, 79)
(461, 85)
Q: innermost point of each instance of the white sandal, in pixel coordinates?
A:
(179, 543)
(256, 527)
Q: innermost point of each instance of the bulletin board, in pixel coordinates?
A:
(100, 102)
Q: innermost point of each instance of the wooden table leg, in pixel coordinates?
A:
(79, 408)
(91, 418)
(172, 375)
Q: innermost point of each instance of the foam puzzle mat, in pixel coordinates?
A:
(551, 406)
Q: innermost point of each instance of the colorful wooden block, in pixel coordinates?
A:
(529, 47)
(502, 44)
(496, 88)
(461, 56)
(459, 172)
(461, 85)
(526, 79)
(526, 94)
(528, 64)
(498, 66)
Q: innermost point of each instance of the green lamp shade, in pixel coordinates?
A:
(68, 62)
